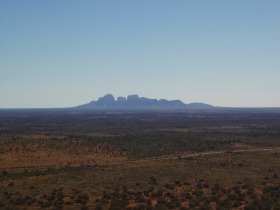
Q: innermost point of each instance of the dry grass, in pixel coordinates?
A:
(226, 169)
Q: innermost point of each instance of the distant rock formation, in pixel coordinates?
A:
(135, 102)
(106, 101)
(121, 100)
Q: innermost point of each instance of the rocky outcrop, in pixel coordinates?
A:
(135, 102)
(106, 101)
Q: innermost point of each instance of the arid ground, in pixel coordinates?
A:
(66, 159)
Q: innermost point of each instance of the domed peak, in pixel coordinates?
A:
(132, 97)
(108, 98)
(121, 99)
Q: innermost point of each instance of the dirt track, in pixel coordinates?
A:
(172, 157)
(200, 154)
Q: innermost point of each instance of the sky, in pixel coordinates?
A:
(68, 52)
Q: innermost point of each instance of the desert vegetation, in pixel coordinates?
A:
(64, 159)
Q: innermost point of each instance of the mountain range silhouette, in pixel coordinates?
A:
(135, 102)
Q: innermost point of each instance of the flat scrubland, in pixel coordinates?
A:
(66, 159)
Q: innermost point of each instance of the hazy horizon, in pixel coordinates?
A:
(66, 53)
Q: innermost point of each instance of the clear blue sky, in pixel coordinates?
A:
(68, 52)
